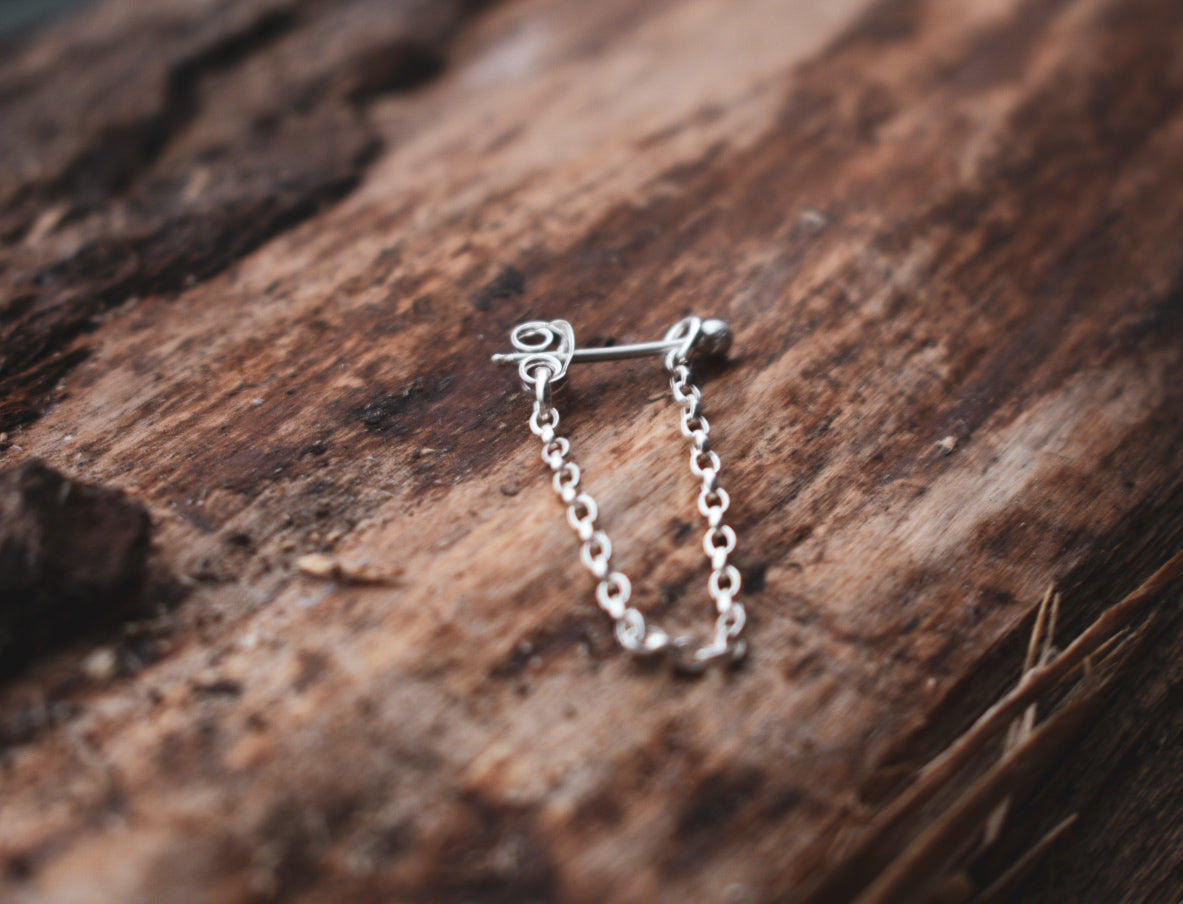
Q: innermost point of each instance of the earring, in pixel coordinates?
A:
(544, 352)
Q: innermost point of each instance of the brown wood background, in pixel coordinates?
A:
(254, 256)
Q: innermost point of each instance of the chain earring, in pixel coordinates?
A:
(544, 350)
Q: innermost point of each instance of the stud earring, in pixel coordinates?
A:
(544, 350)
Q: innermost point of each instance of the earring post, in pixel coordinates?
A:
(605, 353)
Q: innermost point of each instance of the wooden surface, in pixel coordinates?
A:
(255, 257)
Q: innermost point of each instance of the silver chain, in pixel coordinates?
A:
(614, 590)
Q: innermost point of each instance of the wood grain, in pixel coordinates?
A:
(255, 258)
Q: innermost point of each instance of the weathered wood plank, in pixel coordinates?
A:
(256, 256)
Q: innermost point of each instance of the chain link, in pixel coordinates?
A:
(719, 540)
(613, 589)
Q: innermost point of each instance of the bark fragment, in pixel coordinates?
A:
(72, 557)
